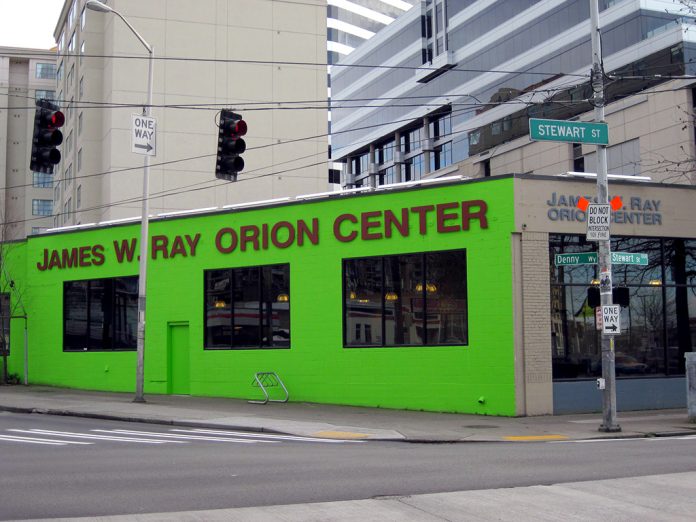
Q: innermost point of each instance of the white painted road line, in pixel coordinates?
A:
(186, 437)
(33, 440)
(97, 437)
(267, 436)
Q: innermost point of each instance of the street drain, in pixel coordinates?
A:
(481, 426)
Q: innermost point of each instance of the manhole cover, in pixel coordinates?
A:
(481, 426)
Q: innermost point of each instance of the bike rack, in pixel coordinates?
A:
(265, 380)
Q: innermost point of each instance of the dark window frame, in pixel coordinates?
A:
(424, 269)
(263, 314)
(113, 309)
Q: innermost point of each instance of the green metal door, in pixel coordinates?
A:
(178, 350)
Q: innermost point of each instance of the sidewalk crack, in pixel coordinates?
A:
(402, 500)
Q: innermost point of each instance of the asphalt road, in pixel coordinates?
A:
(129, 468)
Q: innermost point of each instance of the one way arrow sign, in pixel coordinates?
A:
(610, 317)
(143, 135)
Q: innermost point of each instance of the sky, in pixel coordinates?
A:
(29, 23)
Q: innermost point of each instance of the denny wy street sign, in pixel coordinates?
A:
(568, 131)
(590, 258)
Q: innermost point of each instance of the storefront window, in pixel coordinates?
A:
(406, 300)
(248, 307)
(100, 314)
(657, 327)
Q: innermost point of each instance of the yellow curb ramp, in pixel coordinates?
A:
(535, 437)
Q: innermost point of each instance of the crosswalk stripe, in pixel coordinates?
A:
(187, 437)
(97, 437)
(32, 440)
(265, 436)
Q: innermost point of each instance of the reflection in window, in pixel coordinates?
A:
(248, 307)
(406, 300)
(100, 314)
(657, 327)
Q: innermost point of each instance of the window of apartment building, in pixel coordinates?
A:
(413, 140)
(83, 19)
(43, 94)
(5, 314)
(434, 29)
(78, 197)
(71, 45)
(79, 160)
(42, 180)
(59, 73)
(69, 142)
(46, 71)
(71, 14)
(71, 76)
(247, 308)
(69, 110)
(100, 314)
(414, 168)
(61, 42)
(41, 207)
(59, 101)
(82, 51)
(68, 174)
(441, 127)
(66, 213)
(406, 300)
(79, 124)
(81, 88)
(69, 208)
(385, 152)
(360, 164)
(387, 176)
(441, 156)
(56, 193)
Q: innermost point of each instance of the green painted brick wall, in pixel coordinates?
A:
(317, 367)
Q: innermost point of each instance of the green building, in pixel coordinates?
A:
(438, 296)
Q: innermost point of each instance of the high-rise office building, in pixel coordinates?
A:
(352, 22)
(25, 196)
(248, 55)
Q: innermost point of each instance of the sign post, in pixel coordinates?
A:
(609, 423)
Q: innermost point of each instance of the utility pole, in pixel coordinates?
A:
(609, 423)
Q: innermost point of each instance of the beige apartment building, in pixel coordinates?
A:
(25, 196)
(255, 56)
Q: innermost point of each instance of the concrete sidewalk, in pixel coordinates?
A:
(330, 421)
(651, 498)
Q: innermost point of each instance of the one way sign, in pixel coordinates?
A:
(143, 135)
(610, 318)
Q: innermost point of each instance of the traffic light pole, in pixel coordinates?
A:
(144, 240)
(609, 423)
(96, 5)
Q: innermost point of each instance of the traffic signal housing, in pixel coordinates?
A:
(47, 120)
(230, 145)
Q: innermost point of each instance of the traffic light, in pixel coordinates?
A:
(230, 145)
(619, 295)
(47, 120)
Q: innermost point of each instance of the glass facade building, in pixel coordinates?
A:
(493, 65)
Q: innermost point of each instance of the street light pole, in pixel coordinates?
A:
(609, 423)
(95, 5)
